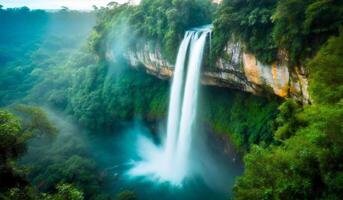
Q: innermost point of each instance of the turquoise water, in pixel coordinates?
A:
(216, 169)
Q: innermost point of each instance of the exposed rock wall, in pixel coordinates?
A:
(236, 69)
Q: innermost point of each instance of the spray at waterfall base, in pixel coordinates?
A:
(171, 161)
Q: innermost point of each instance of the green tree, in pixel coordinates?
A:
(160, 22)
(301, 27)
(35, 121)
(126, 195)
(65, 192)
(287, 120)
(13, 138)
(249, 22)
(12, 145)
(297, 29)
(326, 72)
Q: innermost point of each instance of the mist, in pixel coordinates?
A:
(53, 5)
(111, 157)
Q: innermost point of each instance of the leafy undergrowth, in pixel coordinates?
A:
(245, 118)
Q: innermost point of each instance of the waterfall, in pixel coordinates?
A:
(189, 105)
(175, 99)
(170, 163)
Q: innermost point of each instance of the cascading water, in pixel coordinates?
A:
(175, 100)
(169, 163)
(189, 105)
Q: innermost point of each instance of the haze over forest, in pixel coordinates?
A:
(171, 99)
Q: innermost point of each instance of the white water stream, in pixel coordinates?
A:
(170, 163)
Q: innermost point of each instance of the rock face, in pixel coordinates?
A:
(236, 69)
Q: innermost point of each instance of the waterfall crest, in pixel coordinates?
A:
(170, 163)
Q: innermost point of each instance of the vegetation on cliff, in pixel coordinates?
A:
(245, 118)
(299, 27)
(306, 163)
(305, 160)
(161, 22)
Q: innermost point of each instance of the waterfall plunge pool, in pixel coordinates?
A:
(215, 162)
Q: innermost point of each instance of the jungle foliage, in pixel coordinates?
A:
(33, 41)
(245, 118)
(304, 161)
(14, 134)
(28, 54)
(307, 161)
(162, 22)
(299, 27)
(299, 151)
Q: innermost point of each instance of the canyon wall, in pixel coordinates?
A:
(236, 69)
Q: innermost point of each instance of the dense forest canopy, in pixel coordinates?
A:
(28, 41)
(299, 27)
(163, 22)
(59, 61)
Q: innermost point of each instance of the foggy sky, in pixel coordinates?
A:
(57, 4)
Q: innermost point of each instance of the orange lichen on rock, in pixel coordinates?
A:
(282, 91)
(251, 69)
(280, 81)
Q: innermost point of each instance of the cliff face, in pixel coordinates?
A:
(236, 69)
